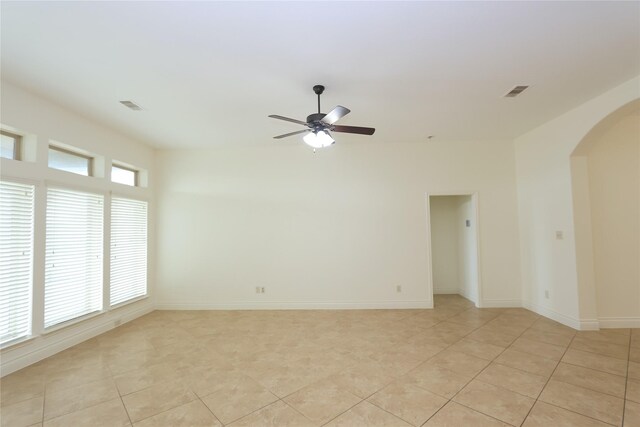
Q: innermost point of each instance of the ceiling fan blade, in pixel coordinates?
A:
(335, 115)
(287, 119)
(354, 129)
(292, 133)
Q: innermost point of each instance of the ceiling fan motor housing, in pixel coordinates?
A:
(315, 118)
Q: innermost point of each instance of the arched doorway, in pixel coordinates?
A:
(605, 169)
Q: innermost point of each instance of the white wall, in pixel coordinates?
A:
(467, 248)
(42, 121)
(445, 247)
(545, 206)
(614, 184)
(339, 228)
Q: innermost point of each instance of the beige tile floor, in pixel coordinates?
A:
(455, 365)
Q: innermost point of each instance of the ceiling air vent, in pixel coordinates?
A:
(516, 91)
(131, 105)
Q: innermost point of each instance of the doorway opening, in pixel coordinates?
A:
(453, 242)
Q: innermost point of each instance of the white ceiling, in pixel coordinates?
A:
(208, 73)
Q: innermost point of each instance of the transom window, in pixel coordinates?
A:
(124, 175)
(10, 145)
(67, 160)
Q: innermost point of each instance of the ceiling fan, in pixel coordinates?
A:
(319, 124)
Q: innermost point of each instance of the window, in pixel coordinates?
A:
(69, 161)
(123, 175)
(9, 145)
(16, 260)
(128, 249)
(73, 270)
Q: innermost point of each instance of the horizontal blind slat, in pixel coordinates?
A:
(128, 250)
(16, 259)
(74, 245)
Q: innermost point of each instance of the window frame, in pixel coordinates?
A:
(90, 159)
(108, 285)
(78, 189)
(136, 174)
(28, 146)
(17, 143)
(32, 332)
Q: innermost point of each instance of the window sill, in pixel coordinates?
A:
(18, 342)
(71, 322)
(10, 345)
(129, 301)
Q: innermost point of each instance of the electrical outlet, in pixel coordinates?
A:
(262, 290)
(546, 294)
(559, 235)
(399, 288)
(258, 289)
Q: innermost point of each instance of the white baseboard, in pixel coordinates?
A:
(276, 305)
(499, 303)
(589, 325)
(572, 322)
(469, 296)
(619, 322)
(39, 348)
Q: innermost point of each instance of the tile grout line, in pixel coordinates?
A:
(483, 369)
(125, 409)
(208, 409)
(446, 348)
(289, 406)
(578, 413)
(88, 407)
(44, 397)
(599, 354)
(119, 394)
(550, 376)
(587, 416)
(594, 369)
(341, 413)
(452, 344)
(626, 382)
(395, 379)
(398, 417)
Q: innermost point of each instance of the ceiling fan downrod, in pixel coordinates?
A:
(318, 89)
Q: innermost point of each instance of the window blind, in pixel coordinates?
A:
(16, 259)
(73, 274)
(128, 249)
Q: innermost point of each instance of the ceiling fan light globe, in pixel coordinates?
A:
(318, 139)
